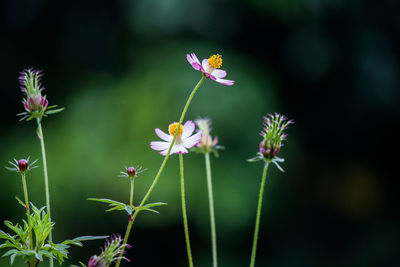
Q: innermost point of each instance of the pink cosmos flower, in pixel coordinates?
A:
(210, 67)
(184, 139)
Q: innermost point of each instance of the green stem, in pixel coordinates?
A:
(163, 163)
(46, 177)
(131, 196)
(27, 208)
(253, 252)
(185, 221)
(211, 204)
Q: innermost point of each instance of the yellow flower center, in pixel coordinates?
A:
(173, 127)
(215, 61)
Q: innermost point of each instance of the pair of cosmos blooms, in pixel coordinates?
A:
(185, 140)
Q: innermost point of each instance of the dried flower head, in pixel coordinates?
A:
(207, 144)
(110, 253)
(22, 165)
(35, 104)
(273, 134)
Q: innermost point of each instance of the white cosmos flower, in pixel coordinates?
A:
(184, 139)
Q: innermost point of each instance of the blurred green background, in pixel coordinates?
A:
(119, 69)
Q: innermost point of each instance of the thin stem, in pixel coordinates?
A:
(162, 164)
(27, 208)
(253, 252)
(25, 193)
(131, 195)
(185, 221)
(46, 177)
(211, 204)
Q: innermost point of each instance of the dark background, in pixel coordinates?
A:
(119, 69)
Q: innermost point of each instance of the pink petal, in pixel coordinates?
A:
(159, 145)
(163, 136)
(194, 61)
(178, 149)
(192, 141)
(225, 82)
(219, 73)
(206, 66)
(188, 129)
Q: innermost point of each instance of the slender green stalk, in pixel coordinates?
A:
(25, 193)
(128, 229)
(27, 207)
(253, 252)
(131, 196)
(211, 204)
(162, 164)
(46, 177)
(184, 215)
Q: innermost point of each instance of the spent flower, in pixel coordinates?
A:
(210, 67)
(184, 139)
(207, 143)
(35, 104)
(273, 134)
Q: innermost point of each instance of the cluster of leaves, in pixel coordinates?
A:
(33, 250)
(116, 205)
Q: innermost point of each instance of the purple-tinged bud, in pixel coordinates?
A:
(96, 261)
(36, 102)
(269, 149)
(131, 171)
(22, 165)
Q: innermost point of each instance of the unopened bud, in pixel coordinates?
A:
(131, 171)
(22, 165)
(269, 149)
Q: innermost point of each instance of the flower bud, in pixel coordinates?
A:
(22, 165)
(96, 261)
(131, 171)
(268, 149)
(35, 102)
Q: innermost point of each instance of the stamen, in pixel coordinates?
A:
(215, 61)
(173, 127)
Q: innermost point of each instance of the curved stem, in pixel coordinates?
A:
(211, 204)
(163, 163)
(46, 177)
(185, 221)
(253, 252)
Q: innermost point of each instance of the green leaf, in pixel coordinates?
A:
(20, 202)
(53, 111)
(11, 251)
(156, 204)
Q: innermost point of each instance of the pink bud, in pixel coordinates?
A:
(131, 171)
(22, 165)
